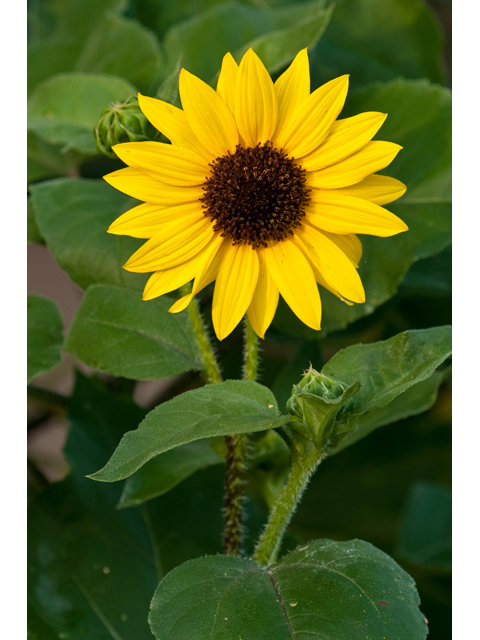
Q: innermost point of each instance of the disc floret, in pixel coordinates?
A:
(255, 195)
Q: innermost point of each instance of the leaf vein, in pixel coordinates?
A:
(318, 566)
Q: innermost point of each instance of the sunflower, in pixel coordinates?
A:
(261, 190)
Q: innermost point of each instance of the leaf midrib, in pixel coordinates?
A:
(152, 338)
(277, 592)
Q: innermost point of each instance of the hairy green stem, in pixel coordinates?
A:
(236, 454)
(268, 546)
(235, 462)
(251, 352)
(212, 370)
(236, 445)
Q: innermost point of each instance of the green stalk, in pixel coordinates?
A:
(236, 453)
(235, 462)
(237, 444)
(212, 370)
(303, 468)
(251, 352)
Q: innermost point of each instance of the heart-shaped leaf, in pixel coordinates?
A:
(326, 590)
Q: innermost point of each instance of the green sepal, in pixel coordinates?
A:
(319, 414)
(122, 121)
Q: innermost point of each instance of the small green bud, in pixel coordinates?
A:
(317, 384)
(122, 122)
(316, 403)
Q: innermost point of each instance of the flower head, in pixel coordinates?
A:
(261, 190)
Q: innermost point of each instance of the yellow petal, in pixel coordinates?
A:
(349, 244)
(173, 244)
(234, 288)
(137, 184)
(292, 88)
(146, 219)
(346, 137)
(207, 270)
(338, 213)
(255, 101)
(164, 162)
(294, 278)
(162, 282)
(330, 261)
(374, 156)
(173, 123)
(181, 304)
(311, 122)
(377, 189)
(227, 81)
(264, 302)
(208, 115)
(322, 282)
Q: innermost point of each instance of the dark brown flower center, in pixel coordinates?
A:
(255, 195)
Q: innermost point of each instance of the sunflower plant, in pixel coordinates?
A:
(227, 213)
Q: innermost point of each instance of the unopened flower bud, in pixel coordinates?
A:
(317, 384)
(316, 403)
(122, 122)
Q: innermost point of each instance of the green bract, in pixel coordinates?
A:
(122, 122)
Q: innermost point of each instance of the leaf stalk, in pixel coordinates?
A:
(303, 467)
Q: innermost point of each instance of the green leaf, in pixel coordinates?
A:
(188, 521)
(162, 14)
(279, 34)
(46, 58)
(161, 474)
(117, 332)
(65, 108)
(420, 120)
(33, 234)
(228, 408)
(91, 568)
(277, 48)
(73, 19)
(168, 91)
(44, 336)
(385, 371)
(425, 536)
(415, 400)
(430, 276)
(111, 44)
(45, 160)
(380, 41)
(325, 589)
(86, 580)
(122, 47)
(73, 216)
